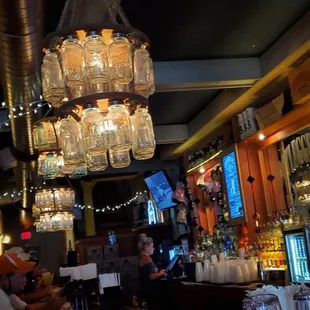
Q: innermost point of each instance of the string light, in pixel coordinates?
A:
(40, 104)
(14, 192)
(112, 208)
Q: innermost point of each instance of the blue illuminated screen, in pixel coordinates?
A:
(232, 183)
(161, 190)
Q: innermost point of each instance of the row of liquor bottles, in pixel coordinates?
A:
(209, 150)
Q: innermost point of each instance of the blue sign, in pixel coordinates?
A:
(232, 183)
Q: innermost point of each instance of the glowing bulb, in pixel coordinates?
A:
(6, 239)
(202, 170)
(261, 137)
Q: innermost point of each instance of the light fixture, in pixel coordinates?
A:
(54, 209)
(5, 239)
(202, 170)
(99, 77)
(261, 137)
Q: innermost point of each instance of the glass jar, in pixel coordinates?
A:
(120, 132)
(72, 143)
(143, 135)
(73, 62)
(51, 167)
(79, 172)
(40, 137)
(119, 159)
(96, 58)
(97, 162)
(94, 136)
(53, 85)
(120, 59)
(41, 165)
(50, 133)
(143, 72)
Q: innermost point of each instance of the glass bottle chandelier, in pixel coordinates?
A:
(54, 209)
(99, 78)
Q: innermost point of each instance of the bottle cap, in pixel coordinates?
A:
(92, 33)
(71, 36)
(115, 102)
(118, 34)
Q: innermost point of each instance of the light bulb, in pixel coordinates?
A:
(261, 137)
(202, 170)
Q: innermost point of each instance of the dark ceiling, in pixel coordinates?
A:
(200, 29)
(204, 29)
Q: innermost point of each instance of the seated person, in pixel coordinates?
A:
(12, 282)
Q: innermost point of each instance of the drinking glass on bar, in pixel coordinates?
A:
(261, 302)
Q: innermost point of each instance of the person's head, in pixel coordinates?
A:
(12, 273)
(13, 283)
(146, 245)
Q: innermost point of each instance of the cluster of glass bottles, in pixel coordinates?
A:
(95, 139)
(83, 67)
(54, 209)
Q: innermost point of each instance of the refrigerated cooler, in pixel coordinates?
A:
(297, 244)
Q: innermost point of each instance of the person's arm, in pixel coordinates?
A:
(147, 261)
(51, 304)
(37, 295)
(158, 275)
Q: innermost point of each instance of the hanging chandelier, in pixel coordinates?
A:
(99, 78)
(53, 209)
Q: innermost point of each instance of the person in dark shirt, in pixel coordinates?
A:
(148, 271)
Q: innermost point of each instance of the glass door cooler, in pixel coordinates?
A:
(297, 244)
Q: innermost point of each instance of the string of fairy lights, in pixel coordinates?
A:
(115, 207)
(20, 109)
(15, 193)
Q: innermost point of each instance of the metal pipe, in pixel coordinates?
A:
(20, 45)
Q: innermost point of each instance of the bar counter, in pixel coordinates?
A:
(203, 296)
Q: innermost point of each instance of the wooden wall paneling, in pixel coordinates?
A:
(277, 183)
(250, 165)
(267, 187)
(203, 221)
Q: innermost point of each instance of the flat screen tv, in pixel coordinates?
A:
(160, 189)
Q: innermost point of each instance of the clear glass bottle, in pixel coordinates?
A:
(40, 137)
(53, 85)
(51, 167)
(120, 59)
(120, 131)
(94, 136)
(96, 58)
(73, 62)
(119, 159)
(143, 135)
(98, 162)
(143, 72)
(72, 143)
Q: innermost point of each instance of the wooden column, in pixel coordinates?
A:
(90, 228)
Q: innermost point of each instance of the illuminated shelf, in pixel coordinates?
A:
(204, 162)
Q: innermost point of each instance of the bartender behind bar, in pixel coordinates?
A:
(148, 272)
